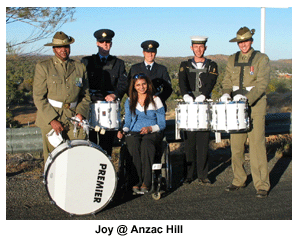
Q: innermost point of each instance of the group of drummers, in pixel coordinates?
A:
(70, 95)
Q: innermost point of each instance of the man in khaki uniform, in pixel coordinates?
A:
(246, 78)
(60, 90)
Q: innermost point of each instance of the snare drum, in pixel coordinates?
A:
(193, 116)
(105, 114)
(79, 178)
(230, 117)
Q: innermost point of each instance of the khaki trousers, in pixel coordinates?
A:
(67, 135)
(257, 153)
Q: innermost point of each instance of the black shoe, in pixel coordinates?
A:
(232, 188)
(187, 181)
(144, 189)
(135, 189)
(262, 194)
(204, 181)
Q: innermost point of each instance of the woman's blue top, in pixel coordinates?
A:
(154, 117)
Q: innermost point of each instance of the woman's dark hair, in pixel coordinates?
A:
(133, 94)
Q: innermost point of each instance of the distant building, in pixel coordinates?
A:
(284, 75)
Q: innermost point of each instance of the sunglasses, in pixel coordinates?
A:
(107, 41)
(140, 75)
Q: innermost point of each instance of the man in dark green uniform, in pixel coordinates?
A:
(246, 78)
(107, 79)
(60, 91)
(156, 72)
(197, 77)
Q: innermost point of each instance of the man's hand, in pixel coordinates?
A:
(239, 97)
(56, 125)
(187, 98)
(120, 135)
(80, 117)
(225, 98)
(110, 97)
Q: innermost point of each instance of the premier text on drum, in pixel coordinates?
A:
(100, 183)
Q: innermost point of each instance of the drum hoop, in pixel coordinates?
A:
(68, 144)
(244, 130)
(229, 102)
(106, 102)
(237, 102)
(109, 129)
(195, 129)
(220, 103)
(92, 145)
(193, 103)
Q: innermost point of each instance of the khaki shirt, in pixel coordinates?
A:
(53, 81)
(256, 76)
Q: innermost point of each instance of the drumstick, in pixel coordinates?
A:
(87, 124)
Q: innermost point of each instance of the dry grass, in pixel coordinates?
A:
(31, 165)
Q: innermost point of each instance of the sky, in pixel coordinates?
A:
(172, 28)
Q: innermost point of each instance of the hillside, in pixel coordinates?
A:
(20, 74)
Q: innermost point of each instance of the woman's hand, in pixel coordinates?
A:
(146, 130)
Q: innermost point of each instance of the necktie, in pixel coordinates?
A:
(104, 60)
(148, 67)
(64, 66)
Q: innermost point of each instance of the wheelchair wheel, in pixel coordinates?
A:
(156, 195)
(166, 171)
(123, 175)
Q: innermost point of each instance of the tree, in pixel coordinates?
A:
(44, 21)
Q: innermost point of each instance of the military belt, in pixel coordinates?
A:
(236, 87)
(59, 104)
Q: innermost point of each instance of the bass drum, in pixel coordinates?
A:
(79, 177)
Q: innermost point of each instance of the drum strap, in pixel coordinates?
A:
(242, 90)
(198, 82)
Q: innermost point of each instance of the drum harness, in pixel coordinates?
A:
(205, 66)
(242, 90)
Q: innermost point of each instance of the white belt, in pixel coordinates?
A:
(236, 87)
(60, 104)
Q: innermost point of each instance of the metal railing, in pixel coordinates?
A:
(29, 139)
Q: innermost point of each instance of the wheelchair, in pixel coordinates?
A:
(161, 171)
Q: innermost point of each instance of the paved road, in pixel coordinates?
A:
(186, 206)
(27, 199)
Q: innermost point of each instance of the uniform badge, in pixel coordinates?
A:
(150, 46)
(181, 69)
(79, 82)
(252, 69)
(104, 35)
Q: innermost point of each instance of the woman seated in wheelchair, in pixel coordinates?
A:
(143, 128)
